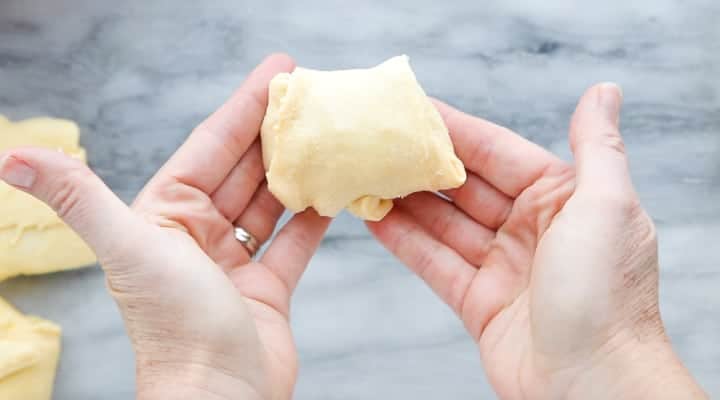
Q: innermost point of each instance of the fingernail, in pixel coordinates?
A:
(16, 172)
(609, 99)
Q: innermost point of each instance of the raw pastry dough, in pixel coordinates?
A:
(33, 240)
(29, 350)
(354, 139)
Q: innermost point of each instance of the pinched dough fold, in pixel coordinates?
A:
(354, 139)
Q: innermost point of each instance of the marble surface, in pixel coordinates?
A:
(138, 75)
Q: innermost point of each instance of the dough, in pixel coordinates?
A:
(29, 351)
(33, 240)
(354, 139)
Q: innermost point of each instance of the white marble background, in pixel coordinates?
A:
(137, 75)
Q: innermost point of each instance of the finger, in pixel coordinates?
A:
(272, 281)
(596, 142)
(78, 196)
(261, 215)
(449, 225)
(219, 142)
(235, 193)
(227, 251)
(443, 269)
(501, 157)
(481, 201)
(294, 246)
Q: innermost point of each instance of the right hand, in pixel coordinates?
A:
(205, 319)
(552, 268)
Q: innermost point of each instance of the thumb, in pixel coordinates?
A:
(595, 139)
(70, 188)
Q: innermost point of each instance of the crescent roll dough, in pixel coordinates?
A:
(354, 139)
(29, 352)
(33, 239)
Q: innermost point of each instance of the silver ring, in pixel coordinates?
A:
(247, 240)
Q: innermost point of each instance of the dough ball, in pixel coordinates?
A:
(354, 139)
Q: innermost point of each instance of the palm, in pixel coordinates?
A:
(508, 341)
(482, 251)
(193, 208)
(265, 298)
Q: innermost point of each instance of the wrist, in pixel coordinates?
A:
(638, 369)
(169, 381)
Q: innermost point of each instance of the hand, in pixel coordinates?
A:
(552, 268)
(204, 319)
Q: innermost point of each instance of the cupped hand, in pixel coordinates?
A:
(552, 267)
(205, 320)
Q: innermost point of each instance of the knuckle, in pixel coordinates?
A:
(653, 235)
(498, 217)
(479, 154)
(251, 170)
(300, 241)
(458, 290)
(617, 202)
(645, 231)
(627, 205)
(478, 253)
(546, 197)
(171, 191)
(175, 191)
(611, 139)
(267, 205)
(67, 192)
(257, 169)
(424, 262)
(443, 224)
(501, 213)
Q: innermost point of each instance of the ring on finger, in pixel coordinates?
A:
(248, 241)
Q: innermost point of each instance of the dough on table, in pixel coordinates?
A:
(29, 351)
(354, 139)
(33, 239)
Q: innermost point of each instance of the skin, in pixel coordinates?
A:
(206, 321)
(552, 267)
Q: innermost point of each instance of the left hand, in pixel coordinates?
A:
(552, 267)
(205, 320)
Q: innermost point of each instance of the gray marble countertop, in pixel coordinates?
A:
(138, 75)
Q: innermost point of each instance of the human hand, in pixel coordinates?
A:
(553, 268)
(205, 320)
